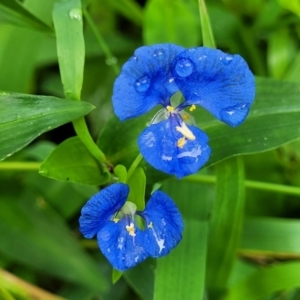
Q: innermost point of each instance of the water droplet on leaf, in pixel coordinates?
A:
(184, 67)
(75, 14)
(142, 84)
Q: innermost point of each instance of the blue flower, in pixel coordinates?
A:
(126, 236)
(219, 82)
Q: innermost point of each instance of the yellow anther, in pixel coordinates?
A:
(185, 117)
(193, 107)
(170, 108)
(185, 131)
(181, 142)
(116, 220)
(130, 229)
(150, 225)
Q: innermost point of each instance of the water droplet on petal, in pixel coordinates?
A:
(133, 58)
(75, 14)
(184, 67)
(226, 60)
(142, 84)
(235, 114)
(158, 54)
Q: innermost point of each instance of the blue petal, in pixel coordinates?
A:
(122, 250)
(145, 81)
(221, 83)
(158, 145)
(164, 225)
(101, 207)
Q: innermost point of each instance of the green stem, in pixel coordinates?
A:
(257, 185)
(134, 165)
(19, 166)
(110, 59)
(83, 133)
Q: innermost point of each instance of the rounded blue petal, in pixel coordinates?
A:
(158, 145)
(122, 250)
(164, 225)
(221, 83)
(101, 207)
(145, 81)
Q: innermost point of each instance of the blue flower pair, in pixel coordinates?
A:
(219, 82)
(126, 236)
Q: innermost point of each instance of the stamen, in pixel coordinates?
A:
(150, 225)
(185, 131)
(130, 229)
(181, 142)
(185, 117)
(193, 107)
(116, 220)
(170, 108)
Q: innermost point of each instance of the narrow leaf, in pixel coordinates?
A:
(226, 223)
(137, 184)
(25, 117)
(72, 162)
(67, 18)
(207, 33)
(265, 282)
(13, 12)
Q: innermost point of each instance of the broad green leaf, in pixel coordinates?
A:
(67, 18)
(187, 260)
(292, 5)
(72, 162)
(137, 184)
(293, 72)
(169, 21)
(25, 117)
(274, 120)
(44, 243)
(207, 34)
(141, 278)
(16, 72)
(266, 282)
(14, 13)
(272, 237)
(225, 225)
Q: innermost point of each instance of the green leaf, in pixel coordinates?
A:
(121, 172)
(292, 5)
(226, 223)
(72, 162)
(67, 18)
(272, 237)
(281, 51)
(25, 117)
(266, 281)
(274, 120)
(45, 243)
(187, 260)
(137, 184)
(207, 33)
(170, 21)
(14, 13)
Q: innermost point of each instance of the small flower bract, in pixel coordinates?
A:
(219, 82)
(127, 236)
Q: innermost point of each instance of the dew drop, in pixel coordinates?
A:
(184, 67)
(111, 61)
(235, 114)
(226, 60)
(75, 14)
(142, 84)
(158, 54)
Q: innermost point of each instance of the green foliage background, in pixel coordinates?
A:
(58, 62)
